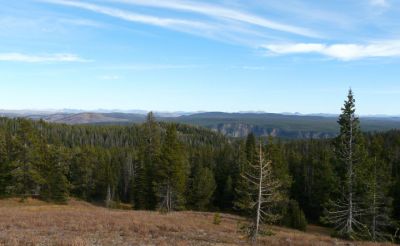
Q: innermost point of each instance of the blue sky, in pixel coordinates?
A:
(249, 55)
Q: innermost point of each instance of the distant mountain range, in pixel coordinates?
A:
(290, 126)
(25, 112)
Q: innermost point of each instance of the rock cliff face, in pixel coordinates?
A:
(242, 130)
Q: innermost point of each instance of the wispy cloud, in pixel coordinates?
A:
(224, 13)
(382, 92)
(300, 11)
(109, 77)
(344, 52)
(18, 57)
(233, 25)
(380, 3)
(131, 16)
(81, 22)
(146, 67)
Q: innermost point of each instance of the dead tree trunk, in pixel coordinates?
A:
(108, 197)
(266, 194)
(259, 198)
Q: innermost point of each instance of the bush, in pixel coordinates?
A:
(217, 219)
(294, 217)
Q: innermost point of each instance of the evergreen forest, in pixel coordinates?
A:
(350, 183)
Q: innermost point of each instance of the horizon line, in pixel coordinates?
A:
(183, 112)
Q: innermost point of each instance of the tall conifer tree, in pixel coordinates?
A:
(146, 195)
(346, 213)
(26, 176)
(172, 172)
(4, 164)
(56, 187)
(378, 202)
(203, 187)
(243, 196)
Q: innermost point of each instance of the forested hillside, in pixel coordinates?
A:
(280, 125)
(229, 124)
(198, 169)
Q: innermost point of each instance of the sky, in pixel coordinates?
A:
(180, 55)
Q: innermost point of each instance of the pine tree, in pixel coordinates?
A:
(396, 200)
(26, 178)
(56, 187)
(314, 180)
(225, 167)
(280, 167)
(128, 174)
(81, 175)
(274, 150)
(203, 188)
(346, 213)
(378, 214)
(172, 172)
(146, 190)
(247, 155)
(228, 194)
(294, 216)
(106, 178)
(251, 153)
(4, 165)
(378, 201)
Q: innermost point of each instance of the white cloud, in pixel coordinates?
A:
(225, 13)
(344, 52)
(18, 57)
(218, 23)
(131, 16)
(380, 3)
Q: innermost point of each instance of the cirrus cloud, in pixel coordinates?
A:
(344, 52)
(216, 11)
(380, 3)
(131, 16)
(60, 57)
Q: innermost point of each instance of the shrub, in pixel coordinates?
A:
(217, 219)
(294, 217)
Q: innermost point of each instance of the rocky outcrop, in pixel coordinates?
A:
(242, 130)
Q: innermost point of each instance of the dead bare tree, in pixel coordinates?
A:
(109, 197)
(167, 198)
(128, 173)
(265, 190)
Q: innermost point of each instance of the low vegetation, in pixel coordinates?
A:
(35, 222)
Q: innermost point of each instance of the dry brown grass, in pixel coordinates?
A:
(79, 223)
